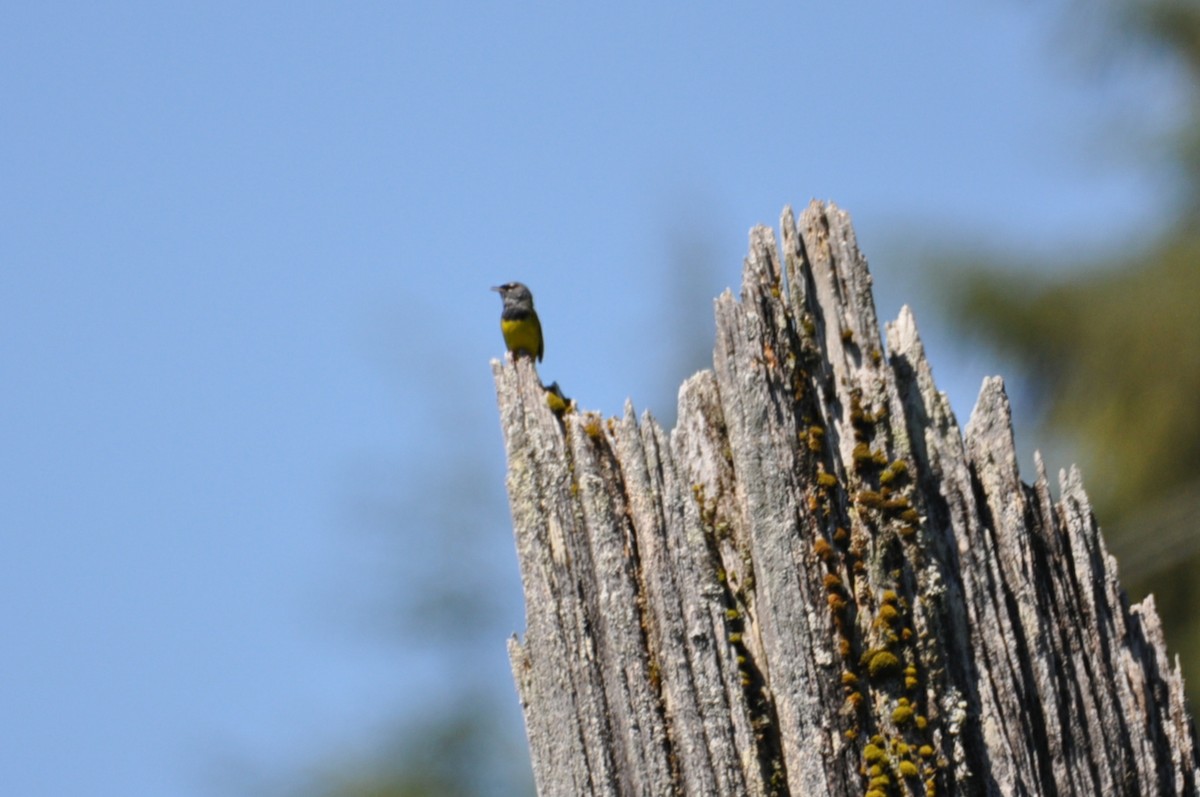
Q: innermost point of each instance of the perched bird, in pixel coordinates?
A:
(557, 400)
(519, 321)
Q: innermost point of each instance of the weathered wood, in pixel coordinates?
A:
(816, 584)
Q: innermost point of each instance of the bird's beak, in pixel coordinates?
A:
(496, 288)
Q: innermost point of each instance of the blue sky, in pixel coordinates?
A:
(244, 309)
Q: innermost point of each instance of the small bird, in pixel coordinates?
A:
(557, 401)
(519, 321)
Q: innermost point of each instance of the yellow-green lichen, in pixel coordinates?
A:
(868, 498)
(882, 664)
(592, 427)
(873, 754)
(896, 470)
(888, 614)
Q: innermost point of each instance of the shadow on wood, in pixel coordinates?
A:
(816, 584)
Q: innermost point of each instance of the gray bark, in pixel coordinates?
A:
(816, 584)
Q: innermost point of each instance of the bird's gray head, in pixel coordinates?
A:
(515, 295)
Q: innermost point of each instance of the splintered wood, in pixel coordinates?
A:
(816, 584)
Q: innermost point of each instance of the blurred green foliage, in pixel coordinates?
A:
(462, 752)
(1114, 357)
(1111, 350)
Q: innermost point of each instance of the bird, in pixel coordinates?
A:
(557, 400)
(519, 321)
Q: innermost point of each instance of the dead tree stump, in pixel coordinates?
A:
(816, 584)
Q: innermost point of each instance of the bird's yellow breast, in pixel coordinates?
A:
(523, 335)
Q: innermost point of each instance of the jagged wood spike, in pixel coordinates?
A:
(817, 584)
